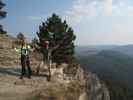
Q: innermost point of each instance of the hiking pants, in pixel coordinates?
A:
(25, 62)
(45, 55)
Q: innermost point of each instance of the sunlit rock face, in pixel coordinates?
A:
(93, 88)
(87, 85)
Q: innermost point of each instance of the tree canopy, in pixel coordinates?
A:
(2, 15)
(20, 36)
(61, 38)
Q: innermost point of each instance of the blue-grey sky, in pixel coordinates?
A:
(94, 21)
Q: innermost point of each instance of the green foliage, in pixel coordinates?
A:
(118, 91)
(60, 35)
(1, 30)
(2, 15)
(20, 37)
(115, 69)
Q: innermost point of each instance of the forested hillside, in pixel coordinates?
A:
(115, 69)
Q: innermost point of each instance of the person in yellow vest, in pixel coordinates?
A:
(25, 61)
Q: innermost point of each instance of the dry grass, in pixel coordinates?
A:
(60, 92)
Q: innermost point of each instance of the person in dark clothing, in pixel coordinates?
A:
(45, 51)
(25, 61)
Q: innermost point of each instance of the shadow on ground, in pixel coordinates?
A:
(10, 71)
(17, 72)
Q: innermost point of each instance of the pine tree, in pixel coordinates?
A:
(60, 36)
(20, 36)
(2, 15)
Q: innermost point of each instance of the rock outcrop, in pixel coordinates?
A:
(93, 89)
(67, 82)
(81, 86)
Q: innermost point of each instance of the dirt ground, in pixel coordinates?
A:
(13, 88)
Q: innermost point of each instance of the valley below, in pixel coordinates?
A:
(113, 64)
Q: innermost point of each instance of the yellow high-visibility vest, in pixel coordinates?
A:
(24, 50)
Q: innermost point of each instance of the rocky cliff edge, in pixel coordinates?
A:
(67, 83)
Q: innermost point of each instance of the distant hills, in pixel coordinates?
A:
(115, 62)
(93, 49)
(127, 49)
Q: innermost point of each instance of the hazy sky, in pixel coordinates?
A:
(94, 21)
